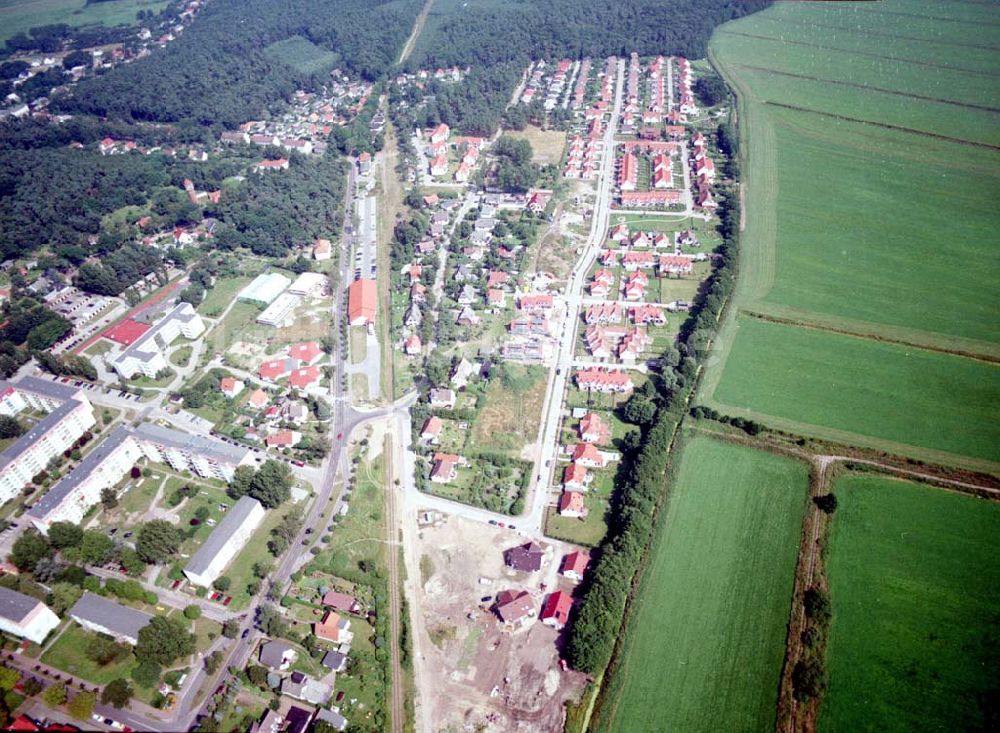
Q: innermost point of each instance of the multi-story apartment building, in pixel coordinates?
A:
(25, 616)
(69, 414)
(105, 466)
(226, 540)
(146, 355)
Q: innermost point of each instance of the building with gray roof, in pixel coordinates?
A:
(226, 540)
(105, 616)
(206, 457)
(25, 616)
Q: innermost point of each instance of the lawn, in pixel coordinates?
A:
(222, 294)
(546, 145)
(510, 417)
(68, 653)
(182, 356)
(915, 588)
(359, 344)
(302, 55)
(590, 530)
(17, 16)
(906, 396)
(706, 637)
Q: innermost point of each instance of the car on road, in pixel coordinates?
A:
(486, 599)
(245, 634)
(493, 521)
(340, 436)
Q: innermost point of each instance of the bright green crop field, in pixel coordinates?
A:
(915, 589)
(706, 638)
(863, 387)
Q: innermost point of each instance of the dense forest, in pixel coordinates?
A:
(217, 71)
(498, 41)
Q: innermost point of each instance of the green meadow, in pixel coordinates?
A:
(706, 638)
(302, 55)
(19, 16)
(915, 590)
(855, 224)
(863, 388)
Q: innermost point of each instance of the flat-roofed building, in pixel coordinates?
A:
(25, 616)
(308, 284)
(69, 415)
(146, 354)
(226, 540)
(278, 312)
(104, 616)
(206, 457)
(71, 498)
(264, 288)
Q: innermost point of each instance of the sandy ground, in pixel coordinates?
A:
(485, 676)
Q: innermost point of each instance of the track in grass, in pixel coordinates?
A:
(915, 589)
(706, 634)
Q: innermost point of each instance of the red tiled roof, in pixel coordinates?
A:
(361, 301)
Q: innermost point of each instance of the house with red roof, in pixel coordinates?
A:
(555, 611)
(576, 477)
(321, 249)
(271, 371)
(412, 345)
(230, 387)
(635, 260)
(619, 232)
(497, 278)
(535, 303)
(646, 314)
(283, 439)
(628, 172)
(675, 265)
(307, 352)
(574, 565)
(439, 166)
(361, 302)
(281, 164)
(586, 454)
(572, 505)
(304, 378)
(258, 398)
(597, 342)
(603, 313)
(597, 379)
(431, 430)
(444, 467)
(594, 430)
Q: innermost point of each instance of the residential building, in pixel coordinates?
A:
(575, 477)
(231, 387)
(526, 558)
(207, 457)
(332, 717)
(69, 415)
(341, 601)
(225, 541)
(271, 371)
(277, 654)
(335, 661)
(586, 454)
(555, 611)
(304, 378)
(571, 504)
(335, 628)
(321, 250)
(514, 607)
(307, 352)
(443, 398)
(104, 616)
(73, 495)
(604, 380)
(444, 467)
(146, 355)
(675, 265)
(303, 687)
(431, 430)
(575, 564)
(25, 616)
(594, 430)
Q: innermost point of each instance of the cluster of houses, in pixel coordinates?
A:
(280, 658)
(552, 85)
(437, 144)
(704, 172)
(307, 123)
(102, 59)
(516, 608)
(657, 157)
(582, 157)
(634, 114)
(584, 457)
(421, 77)
(530, 329)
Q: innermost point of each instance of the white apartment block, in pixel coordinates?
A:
(105, 466)
(69, 415)
(226, 540)
(146, 355)
(71, 498)
(25, 616)
(279, 311)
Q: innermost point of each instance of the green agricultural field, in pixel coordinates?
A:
(866, 389)
(302, 55)
(915, 589)
(706, 637)
(18, 16)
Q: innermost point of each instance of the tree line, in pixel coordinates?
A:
(597, 620)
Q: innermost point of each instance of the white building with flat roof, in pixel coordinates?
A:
(226, 540)
(308, 284)
(280, 310)
(69, 415)
(264, 288)
(207, 457)
(146, 355)
(25, 616)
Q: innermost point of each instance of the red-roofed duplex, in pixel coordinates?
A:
(586, 454)
(272, 370)
(571, 504)
(593, 429)
(575, 477)
(308, 352)
(535, 303)
(302, 378)
(556, 610)
(604, 380)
